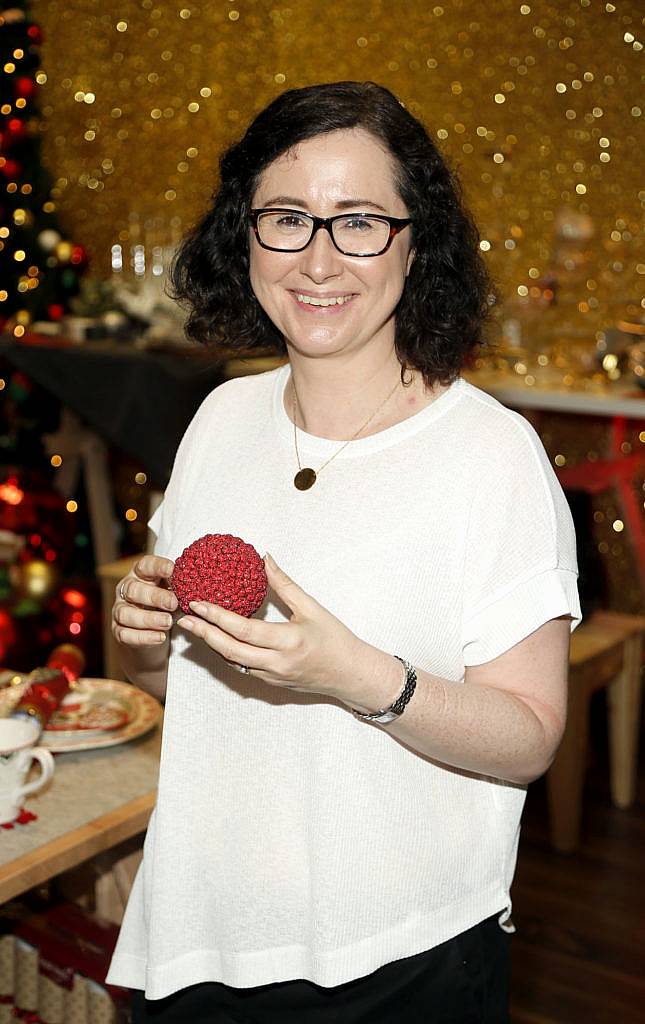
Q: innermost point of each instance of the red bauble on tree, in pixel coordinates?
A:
(11, 169)
(16, 131)
(31, 508)
(79, 255)
(76, 617)
(35, 33)
(8, 636)
(25, 88)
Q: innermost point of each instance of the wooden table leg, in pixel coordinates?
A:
(80, 448)
(624, 700)
(100, 497)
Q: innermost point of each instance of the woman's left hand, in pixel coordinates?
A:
(313, 651)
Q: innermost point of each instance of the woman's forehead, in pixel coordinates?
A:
(331, 164)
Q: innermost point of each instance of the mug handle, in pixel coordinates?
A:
(47, 770)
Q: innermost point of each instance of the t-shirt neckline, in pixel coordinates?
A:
(363, 445)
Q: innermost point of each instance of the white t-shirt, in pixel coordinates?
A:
(291, 840)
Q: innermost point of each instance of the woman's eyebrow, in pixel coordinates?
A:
(345, 204)
(342, 204)
(285, 201)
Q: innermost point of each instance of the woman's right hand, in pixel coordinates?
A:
(142, 611)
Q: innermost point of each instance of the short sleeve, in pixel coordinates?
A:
(520, 567)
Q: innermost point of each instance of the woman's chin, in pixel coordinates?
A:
(318, 342)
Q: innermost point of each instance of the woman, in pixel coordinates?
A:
(342, 776)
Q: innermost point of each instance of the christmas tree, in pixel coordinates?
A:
(39, 267)
(40, 271)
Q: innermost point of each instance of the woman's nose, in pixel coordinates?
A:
(321, 260)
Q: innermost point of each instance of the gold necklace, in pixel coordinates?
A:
(306, 477)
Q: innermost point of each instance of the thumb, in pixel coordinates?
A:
(286, 589)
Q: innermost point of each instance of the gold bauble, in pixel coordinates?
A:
(36, 579)
(23, 218)
(63, 251)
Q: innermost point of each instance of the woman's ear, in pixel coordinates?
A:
(411, 256)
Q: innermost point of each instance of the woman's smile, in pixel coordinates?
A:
(322, 304)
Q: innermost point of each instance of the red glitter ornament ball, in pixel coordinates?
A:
(222, 569)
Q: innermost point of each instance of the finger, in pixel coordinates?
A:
(286, 588)
(153, 567)
(137, 592)
(256, 632)
(226, 646)
(140, 618)
(138, 637)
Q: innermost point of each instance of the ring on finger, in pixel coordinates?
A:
(122, 593)
(244, 669)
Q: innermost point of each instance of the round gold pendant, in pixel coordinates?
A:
(304, 479)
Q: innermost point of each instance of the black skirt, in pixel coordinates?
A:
(462, 981)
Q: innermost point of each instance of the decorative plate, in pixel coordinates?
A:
(127, 712)
(95, 713)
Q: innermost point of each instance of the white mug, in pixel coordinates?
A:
(17, 751)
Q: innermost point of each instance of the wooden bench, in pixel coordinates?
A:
(606, 653)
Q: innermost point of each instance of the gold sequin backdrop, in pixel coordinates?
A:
(538, 106)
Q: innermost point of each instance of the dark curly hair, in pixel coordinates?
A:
(447, 295)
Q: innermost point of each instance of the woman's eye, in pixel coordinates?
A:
(290, 220)
(358, 224)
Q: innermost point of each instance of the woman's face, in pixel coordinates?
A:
(341, 172)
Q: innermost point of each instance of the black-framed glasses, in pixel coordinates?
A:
(353, 234)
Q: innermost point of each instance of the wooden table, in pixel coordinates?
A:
(95, 800)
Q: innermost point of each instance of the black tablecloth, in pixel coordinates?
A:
(140, 401)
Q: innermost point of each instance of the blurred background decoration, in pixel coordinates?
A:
(39, 267)
(131, 115)
(538, 105)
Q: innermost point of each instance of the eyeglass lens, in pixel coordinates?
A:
(356, 236)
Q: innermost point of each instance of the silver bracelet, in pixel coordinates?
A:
(387, 715)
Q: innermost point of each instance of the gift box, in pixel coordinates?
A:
(7, 978)
(52, 970)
